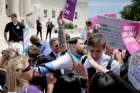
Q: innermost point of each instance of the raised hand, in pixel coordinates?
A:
(60, 20)
(51, 79)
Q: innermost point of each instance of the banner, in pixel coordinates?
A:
(134, 70)
(129, 32)
(69, 9)
(110, 28)
(94, 20)
(111, 15)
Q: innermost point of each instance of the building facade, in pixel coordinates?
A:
(52, 9)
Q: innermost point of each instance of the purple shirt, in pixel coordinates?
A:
(29, 89)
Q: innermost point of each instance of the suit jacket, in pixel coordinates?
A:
(51, 57)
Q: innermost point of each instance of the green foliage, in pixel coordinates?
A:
(68, 26)
(132, 11)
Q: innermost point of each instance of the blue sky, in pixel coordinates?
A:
(99, 7)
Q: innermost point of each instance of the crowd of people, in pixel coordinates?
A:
(64, 64)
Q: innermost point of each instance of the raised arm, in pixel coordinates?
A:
(63, 62)
(61, 33)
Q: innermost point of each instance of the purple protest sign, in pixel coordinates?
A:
(69, 9)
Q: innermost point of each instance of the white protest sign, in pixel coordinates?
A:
(110, 28)
(134, 70)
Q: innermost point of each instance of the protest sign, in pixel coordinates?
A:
(110, 28)
(94, 20)
(111, 15)
(129, 31)
(69, 9)
(134, 70)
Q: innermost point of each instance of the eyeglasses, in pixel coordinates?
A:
(27, 69)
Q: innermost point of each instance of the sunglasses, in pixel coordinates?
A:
(27, 69)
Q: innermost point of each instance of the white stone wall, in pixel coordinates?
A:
(58, 5)
(2, 7)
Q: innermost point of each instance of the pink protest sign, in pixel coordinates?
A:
(129, 31)
(69, 9)
(94, 19)
(112, 15)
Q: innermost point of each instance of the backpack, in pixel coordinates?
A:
(99, 78)
(91, 70)
(69, 82)
(108, 83)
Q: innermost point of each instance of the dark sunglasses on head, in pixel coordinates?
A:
(27, 69)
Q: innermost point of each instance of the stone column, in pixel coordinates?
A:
(2, 7)
(28, 12)
(21, 8)
(14, 6)
(27, 7)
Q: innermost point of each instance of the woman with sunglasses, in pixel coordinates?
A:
(19, 73)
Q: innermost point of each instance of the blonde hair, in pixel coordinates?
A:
(14, 73)
(7, 54)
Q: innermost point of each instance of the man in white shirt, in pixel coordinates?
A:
(66, 61)
(96, 47)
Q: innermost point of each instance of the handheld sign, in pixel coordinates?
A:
(69, 9)
(129, 31)
(134, 70)
(110, 28)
